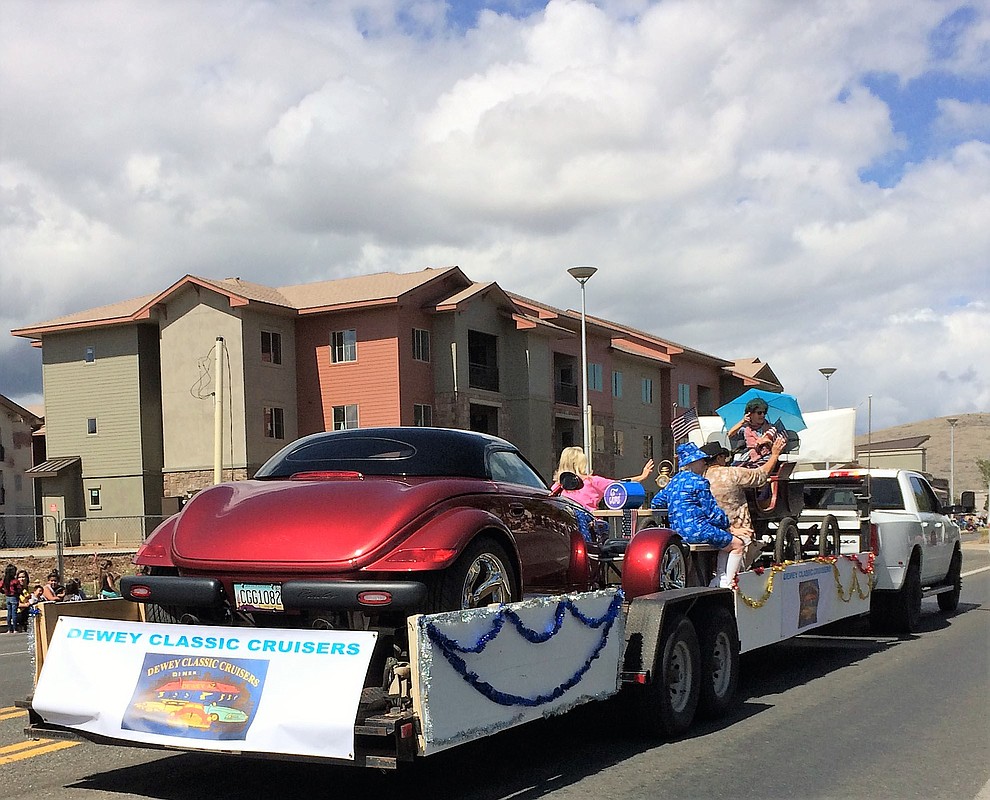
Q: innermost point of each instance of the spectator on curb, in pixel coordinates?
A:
(12, 592)
(73, 591)
(53, 589)
(108, 581)
(23, 606)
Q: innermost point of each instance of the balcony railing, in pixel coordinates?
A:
(566, 393)
(482, 376)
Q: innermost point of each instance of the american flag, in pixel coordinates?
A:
(684, 424)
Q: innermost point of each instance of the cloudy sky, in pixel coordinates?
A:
(804, 182)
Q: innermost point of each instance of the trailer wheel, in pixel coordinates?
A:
(829, 544)
(482, 575)
(718, 640)
(949, 601)
(670, 701)
(905, 609)
(787, 546)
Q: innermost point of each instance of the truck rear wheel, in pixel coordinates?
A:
(670, 701)
(949, 601)
(905, 610)
(718, 641)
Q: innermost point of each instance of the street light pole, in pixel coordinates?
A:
(952, 458)
(828, 372)
(582, 275)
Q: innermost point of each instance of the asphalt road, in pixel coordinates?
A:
(847, 715)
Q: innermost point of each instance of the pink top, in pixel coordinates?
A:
(590, 494)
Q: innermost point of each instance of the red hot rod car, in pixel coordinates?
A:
(376, 522)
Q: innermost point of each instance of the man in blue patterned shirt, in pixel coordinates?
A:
(692, 509)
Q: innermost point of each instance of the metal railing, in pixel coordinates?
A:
(116, 531)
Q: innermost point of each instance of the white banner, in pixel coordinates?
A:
(830, 436)
(488, 669)
(207, 688)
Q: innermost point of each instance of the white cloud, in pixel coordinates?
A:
(704, 155)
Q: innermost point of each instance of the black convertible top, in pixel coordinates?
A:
(405, 451)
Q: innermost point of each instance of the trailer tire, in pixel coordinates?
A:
(718, 640)
(787, 546)
(949, 601)
(829, 543)
(670, 701)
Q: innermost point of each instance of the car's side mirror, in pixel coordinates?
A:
(569, 481)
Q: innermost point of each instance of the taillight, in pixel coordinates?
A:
(327, 475)
(140, 592)
(151, 550)
(421, 555)
(874, 538)
(374, 598)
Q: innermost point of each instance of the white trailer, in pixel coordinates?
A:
(105, 674)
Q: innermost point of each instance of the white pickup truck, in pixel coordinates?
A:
(896, 514)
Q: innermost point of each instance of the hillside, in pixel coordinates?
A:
(972, 441)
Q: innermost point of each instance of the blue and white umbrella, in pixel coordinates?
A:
(780, 407)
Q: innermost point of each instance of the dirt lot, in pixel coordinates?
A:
(86, 568)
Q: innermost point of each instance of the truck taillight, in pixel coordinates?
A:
(874, 538)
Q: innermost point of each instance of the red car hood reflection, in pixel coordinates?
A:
(336, 525)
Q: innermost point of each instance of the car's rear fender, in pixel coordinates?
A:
(641, 564)
(441, 539)
(156, 551)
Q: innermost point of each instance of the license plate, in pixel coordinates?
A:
(258, 596)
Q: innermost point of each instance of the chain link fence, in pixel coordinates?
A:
(27, 531)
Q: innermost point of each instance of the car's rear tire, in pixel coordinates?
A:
(484, 574)
(949, 601)
(157, 613)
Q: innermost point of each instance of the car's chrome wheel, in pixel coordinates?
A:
(486, 581)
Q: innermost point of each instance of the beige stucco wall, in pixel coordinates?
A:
(193, 320)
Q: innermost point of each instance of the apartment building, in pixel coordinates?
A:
(130, 388)
(17, 456)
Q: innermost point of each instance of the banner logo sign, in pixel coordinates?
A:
(292, 691)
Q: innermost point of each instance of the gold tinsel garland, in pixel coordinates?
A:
(844, 596)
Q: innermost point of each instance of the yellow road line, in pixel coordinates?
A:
(8, 709)
(30, 749)
(14, 713)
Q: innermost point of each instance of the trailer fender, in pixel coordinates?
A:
(645, 620)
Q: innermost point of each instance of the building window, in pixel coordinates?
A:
(647, 446)
(594, 377)
(598, 438)
(90, 354)
(422, 415)
(706, 401)
(482, 362)
(648, 390)
(421, 345)
(94, 497)
(91, 426)
(618, 443)
(616, 384)
(274, 422)
(684, 395)
(271, 347)
(3, 491)
(345, 417)
(343, 346)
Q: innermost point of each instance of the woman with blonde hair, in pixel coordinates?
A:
(573, 460)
